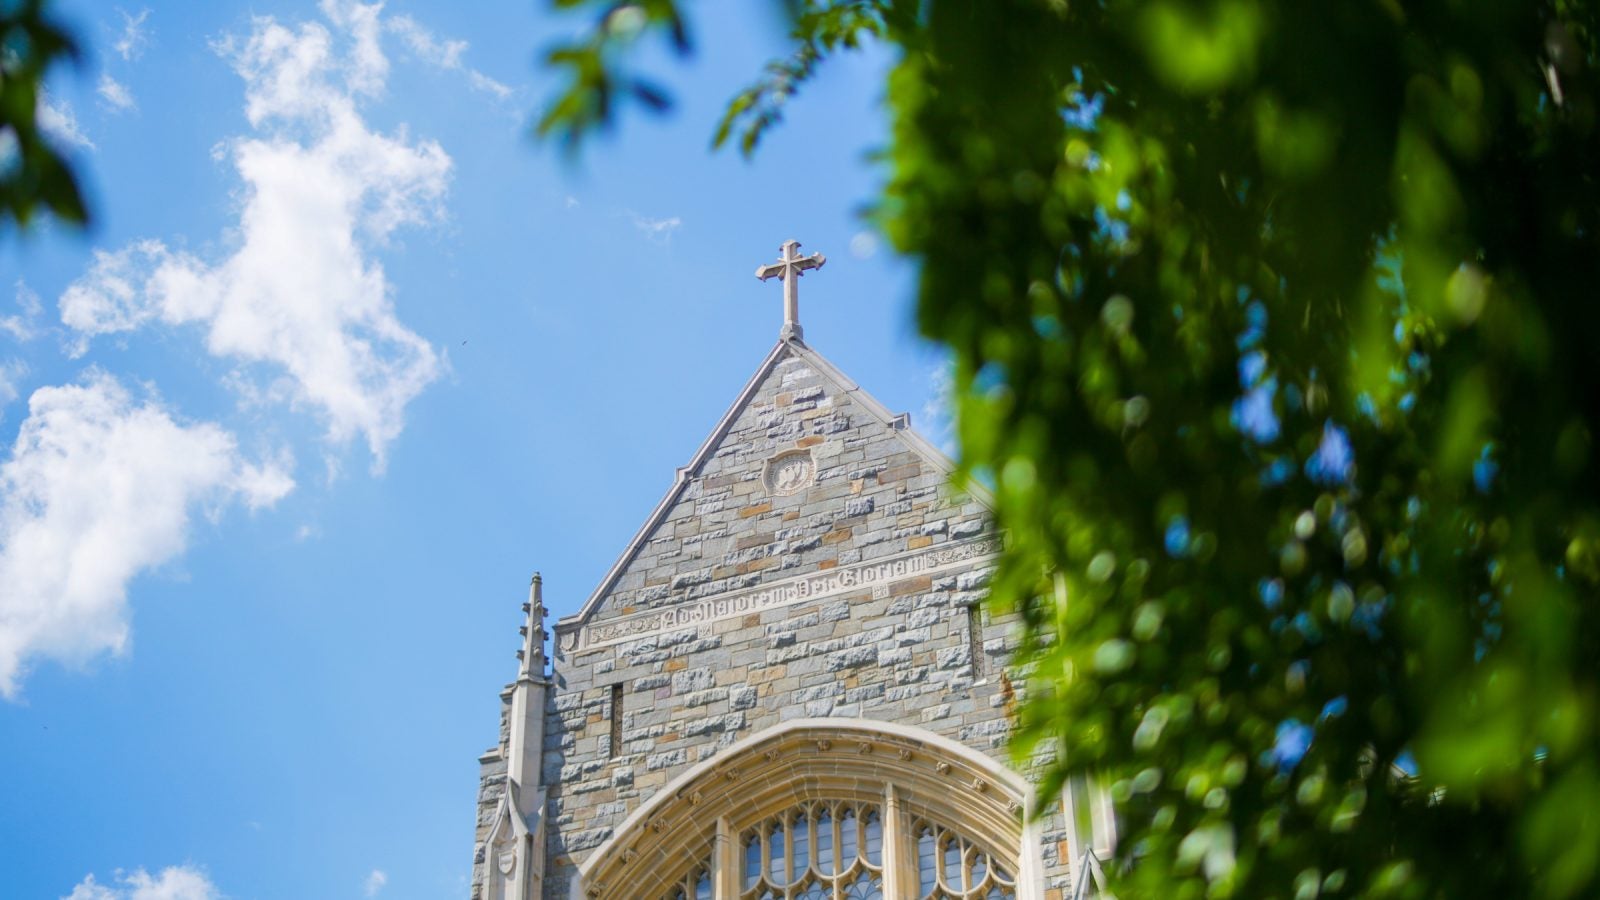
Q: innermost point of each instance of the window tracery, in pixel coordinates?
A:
(696, 885)
(841, 850)
(820, 851)
(952, 867)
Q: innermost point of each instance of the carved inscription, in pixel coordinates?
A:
(795, 590)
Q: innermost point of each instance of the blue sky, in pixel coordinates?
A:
(343, 360)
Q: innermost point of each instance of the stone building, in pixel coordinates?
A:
(785, 687)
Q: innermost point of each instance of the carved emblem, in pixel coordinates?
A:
(905, 753)
(979, 785)
(864, 747)
(790, 473)
(773, 753)
(824, 745)
(507, 860)
(942, 767)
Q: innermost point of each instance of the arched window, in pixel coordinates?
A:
(826, 810)
(819, 851)
(953, 867)
(695, 886)
(841, 850)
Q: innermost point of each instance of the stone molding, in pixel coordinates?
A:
(800, 589)
(808, 759)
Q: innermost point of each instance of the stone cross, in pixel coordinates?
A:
(789, 267)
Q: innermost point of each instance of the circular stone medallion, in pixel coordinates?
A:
(790, 472)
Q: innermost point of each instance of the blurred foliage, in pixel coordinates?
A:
(33, 172)
(1275, 329)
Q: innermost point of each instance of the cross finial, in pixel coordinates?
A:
(789, 267)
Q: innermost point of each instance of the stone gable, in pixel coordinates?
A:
(870, 490)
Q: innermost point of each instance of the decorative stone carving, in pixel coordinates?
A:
(810, 588)
(629, 855)
(942, 767)
(905, 754)
(506, 861)
(789, 473)
(824, 745)
(864, 747)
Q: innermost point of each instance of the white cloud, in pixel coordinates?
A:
(24, 326)
(58, 122)
(443, 54)
(115, 93)
(446, 53)
(863, 245)
(174, 883)
(375, 883)
(657, 230)
(300, 292)
(11, 371)
(134, 38)
(98, 488)
(366, 68)
(111, 296)
(940, 407)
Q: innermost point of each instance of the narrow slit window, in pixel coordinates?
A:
(616, 721)
(975, 639)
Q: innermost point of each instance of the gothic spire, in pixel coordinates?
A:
(531, 655)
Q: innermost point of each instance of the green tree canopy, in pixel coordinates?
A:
(1273, 326)
(33, 174)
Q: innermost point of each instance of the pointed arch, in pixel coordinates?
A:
(513, 858)
(915, 773)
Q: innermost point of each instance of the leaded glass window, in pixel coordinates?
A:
(840, 850)
(819, 851)
(952, 867)
(695, 886)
